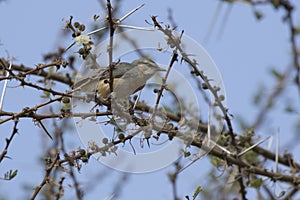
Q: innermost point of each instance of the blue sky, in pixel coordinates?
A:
(244, 52)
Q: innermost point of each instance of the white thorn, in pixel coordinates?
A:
(130, 13)
(95, 31)
(136, 28)
(256, 144)
(5, 86)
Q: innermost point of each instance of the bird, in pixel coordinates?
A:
(128, 78)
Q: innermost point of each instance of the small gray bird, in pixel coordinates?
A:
(128, 78)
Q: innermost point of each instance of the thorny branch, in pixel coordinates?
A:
(46, 177)
(163, 85)
(38, 71)
(176, 42)
(9, 140)
(110, 46)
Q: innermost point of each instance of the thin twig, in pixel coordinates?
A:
(110, 46)
(9, 140)
(46, 177)
(163, 85)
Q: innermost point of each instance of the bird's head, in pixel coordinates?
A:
(147, 66)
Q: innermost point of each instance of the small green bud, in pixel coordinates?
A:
(204, 86)
(84, 159)
(104, 140)
(81, 51)
(121, 136)
(81, 152)
(76, 24)
(81, 27)
(66, 100)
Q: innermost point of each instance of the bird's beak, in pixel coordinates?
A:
(161, 69)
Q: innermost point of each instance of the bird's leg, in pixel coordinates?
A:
(100, 101)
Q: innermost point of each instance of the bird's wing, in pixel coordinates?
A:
(89, 82)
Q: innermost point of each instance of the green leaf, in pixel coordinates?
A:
(275, 3)
(256, 183)
(197, 192)
(10, 175)
(216, 161)
(297, 30)
(277, 74)
(45, 94)
(258, 15)
(186, 154)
